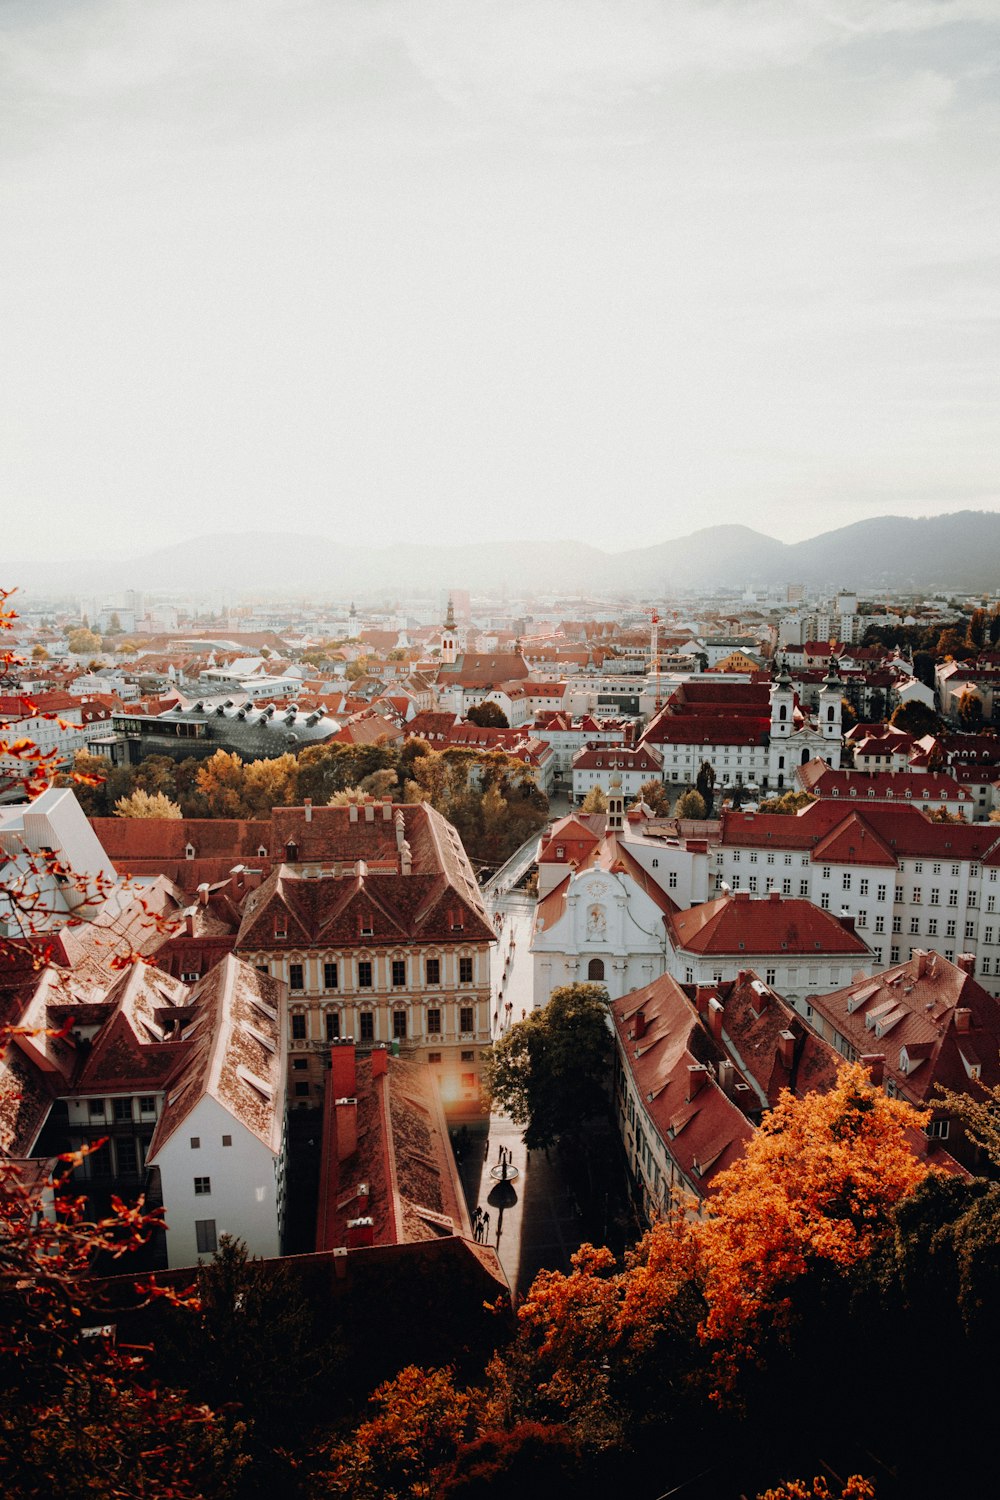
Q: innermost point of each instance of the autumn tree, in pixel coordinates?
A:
(551, 1071)
(691, 805)
(915, 718)
(83, 642)
(788, 802)
(970, 711)
(595, 801)
(656, 797)
(146, 805)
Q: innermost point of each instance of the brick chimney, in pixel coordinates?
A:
(848, 921)
(715, 1017)
(380, 1062)
(963, 1018)
(759, 998)
(369, 812)
(343, 1076)
(204, 892)
(352, 813)
(386, 809)
(639, 1025)
(345, 1124)
(774, 896)
(741, 895)
(786, 1048)
(360, 1232)
(237, 882)
(967, 963)
(874, 1062)
(727, 1076)
(189, 921)
(697, 1073)
(307, 803)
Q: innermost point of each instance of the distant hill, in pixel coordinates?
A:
(959, 551)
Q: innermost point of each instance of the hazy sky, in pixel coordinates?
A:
(390, 269)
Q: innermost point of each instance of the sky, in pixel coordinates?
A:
(458, 270)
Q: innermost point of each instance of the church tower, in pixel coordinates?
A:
(616, 804)
(449, 640)
(830, 696)
(782, 704)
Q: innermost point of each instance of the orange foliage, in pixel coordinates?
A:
(817, 1183)
(856, 1488)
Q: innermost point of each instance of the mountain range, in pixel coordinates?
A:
(956, 552)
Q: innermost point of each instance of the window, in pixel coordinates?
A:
(196, 1143)
(862, 918)
(332, 1020)
(845, 882)
(123, 1109)
(595, 969)
(914, 926)
(753, 856)
(880, 923)
(364, 974)
(824, 900)
(953, 898)
(988, 935)
(788, 859)
(398, 973)
(202, 1187)
(894, 954)
(672, 880)
(770, 859)
(465, 971)
(468, 1080)
(96, 1109)
(299, 1028)
(468, 1057)
(932, 927)
(147, 1105)
(937, 1130)
(770, 976)
(127, 1157)
(752, 882)
(330, 976)
(434, 1020)
(970, 929)
(433, 971)
(302, 1088)
(826, 872)
(366, 1026)
(897, 922)
(280, 925)
(803, 887)
(917, 896)
(205, 1238)
(399, 1024)
(227, 1140)
(296, 977)
(863, 888)
(433, 1057)
(786, 887)
(918, 868)
(299, 1064)
(935, 869)
(882, 892)
(935, 896)
(465, 1022)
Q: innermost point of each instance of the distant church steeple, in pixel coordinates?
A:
(449, 640)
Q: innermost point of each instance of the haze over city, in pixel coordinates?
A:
(601, 271)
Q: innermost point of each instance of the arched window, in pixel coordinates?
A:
(595, 969)
(783, 712)
(829, 713)
(806, 755)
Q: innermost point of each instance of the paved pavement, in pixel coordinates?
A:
(513, 981)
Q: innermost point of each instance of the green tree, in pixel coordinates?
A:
(488, 715)
(691, 806)
(705, 785)
(551, 1071)
(923, 667)
(970, 711)
(915, 718)
(788, 802)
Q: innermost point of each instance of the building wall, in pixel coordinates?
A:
(247, 1185)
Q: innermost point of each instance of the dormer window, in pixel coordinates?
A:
(291, 851)
(189, 851)
(281, 925)
(262, 852)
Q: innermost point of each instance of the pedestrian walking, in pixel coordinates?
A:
(485, 1224)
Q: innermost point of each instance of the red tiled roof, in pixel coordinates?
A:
(770, 925)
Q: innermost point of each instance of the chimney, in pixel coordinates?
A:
(369, 812)
(386, 809)
(380, 1062)
(874, 1062)
(340, 1262)
(759, 998)
(727, 1076)
(189, 921)
(204, 891)
(352, 813)
(786, 1048)
(307, 803)
(400, 826)
(741, 895)
(405, 858)
(344, 1077)
(963, 1018)
(639, 1025)
(715, 1018)
(774, 895)
(847, 921)
(345, 1124)
(237, 881)
(920, 954)
(967, 963)
(360, 1232)
(697, 1073)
